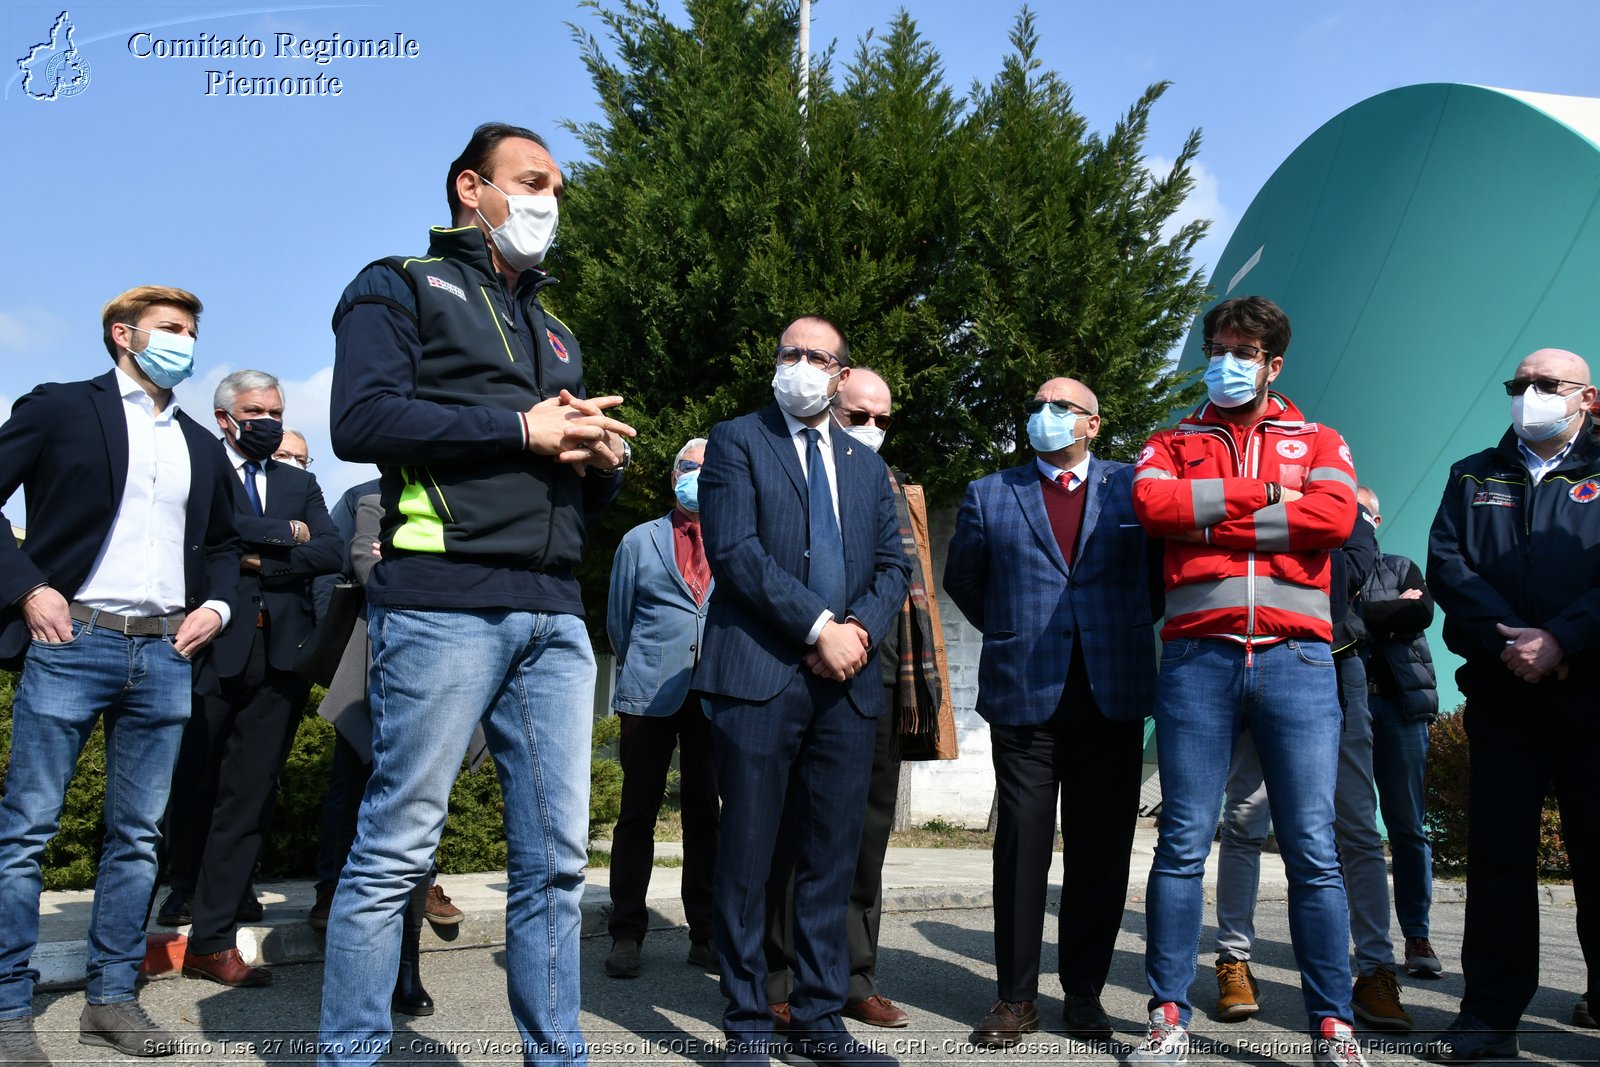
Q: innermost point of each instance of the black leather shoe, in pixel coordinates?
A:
(1005, 1024)
(409, 996)
(624, 959)
(250, 910)
(1083, 1017)
(1468, 1040)
(175, 909)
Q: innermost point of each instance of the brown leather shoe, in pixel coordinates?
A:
(226, 968)
(780, 1014)
(1005, 1024)
(876, 1011)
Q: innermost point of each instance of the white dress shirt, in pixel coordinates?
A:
(825, 444)
(238, 470)
(140, 567)
(1075, 476)
(1537, 466)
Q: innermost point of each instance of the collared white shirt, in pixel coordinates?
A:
(1537, 467)
(140, 567)
(238, 470)
(1075, 476)
(825, 444)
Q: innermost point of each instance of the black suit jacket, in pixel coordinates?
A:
(283, 587)
(66, 445)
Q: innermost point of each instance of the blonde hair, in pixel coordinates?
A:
(128, 307)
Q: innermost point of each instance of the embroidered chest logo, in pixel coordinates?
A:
(440, 283)
(560, 349)
(1292, 449)
(1488, 498)
(1586, 491)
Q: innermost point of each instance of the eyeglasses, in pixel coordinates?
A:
(861, 418)
(819, 358)
(1248, 353)
(687, 465)
(1547, 386)
(289, 457)
(1060, 407)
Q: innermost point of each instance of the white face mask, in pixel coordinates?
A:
(801, 390)
(1537, 416)
(529, 229)
(870, 436)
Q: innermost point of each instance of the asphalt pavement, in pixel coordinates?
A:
(936, 956)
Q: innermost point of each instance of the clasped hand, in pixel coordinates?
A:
(840, 652)
(576, 431)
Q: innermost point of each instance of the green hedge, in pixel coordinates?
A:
(474, 836)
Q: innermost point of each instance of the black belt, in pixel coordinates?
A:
(128, 625)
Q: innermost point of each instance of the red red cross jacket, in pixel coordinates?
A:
(1255, 570)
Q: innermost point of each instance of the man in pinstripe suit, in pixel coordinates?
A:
(1049, 562)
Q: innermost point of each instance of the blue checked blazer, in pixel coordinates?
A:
(753, 502)
(1006, 573)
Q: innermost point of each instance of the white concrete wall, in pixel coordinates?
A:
(957, 791)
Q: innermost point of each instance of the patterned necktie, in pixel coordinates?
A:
(825, 575)
(251, 469)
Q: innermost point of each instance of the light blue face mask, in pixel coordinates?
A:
(1231, 382)
(168, 359)
(1050, 431)
(687, 490)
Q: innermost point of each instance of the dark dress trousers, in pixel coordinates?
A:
(1066, 591)
(226, 780)
(771, 715)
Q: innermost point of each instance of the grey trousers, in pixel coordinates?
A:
(1246, 820)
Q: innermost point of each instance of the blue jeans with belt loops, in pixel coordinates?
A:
(1286, 695)
(529, 676)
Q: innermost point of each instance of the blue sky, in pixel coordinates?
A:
(266, 206)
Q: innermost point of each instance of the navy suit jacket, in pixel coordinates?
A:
(283, 587)
(1006, 573)
(66, 445)
(653, 621)
(754, 516)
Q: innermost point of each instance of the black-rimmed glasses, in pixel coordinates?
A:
(1547, 386)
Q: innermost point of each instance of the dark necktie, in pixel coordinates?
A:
(825, 575)
(251, 469)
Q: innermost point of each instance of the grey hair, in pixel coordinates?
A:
(689, 446)
(242, 381)
(290, 431)
(1367, 489)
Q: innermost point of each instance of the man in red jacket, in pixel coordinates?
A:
(1250, 498)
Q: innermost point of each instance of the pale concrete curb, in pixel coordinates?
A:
(915, 879)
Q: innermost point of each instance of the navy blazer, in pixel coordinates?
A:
(283, 587)
(66, 445)
(653, 621)
(754, 516)
(1006, 573)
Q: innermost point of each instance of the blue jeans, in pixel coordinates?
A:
(1355, 828)
(1286, 696)
(141, 688)
(435, 674)
(1399, 761)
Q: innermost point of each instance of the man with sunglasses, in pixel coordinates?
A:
(1514, 564)
(655, 617)
(1251, 498)
(802, 536)
(1050, 563)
